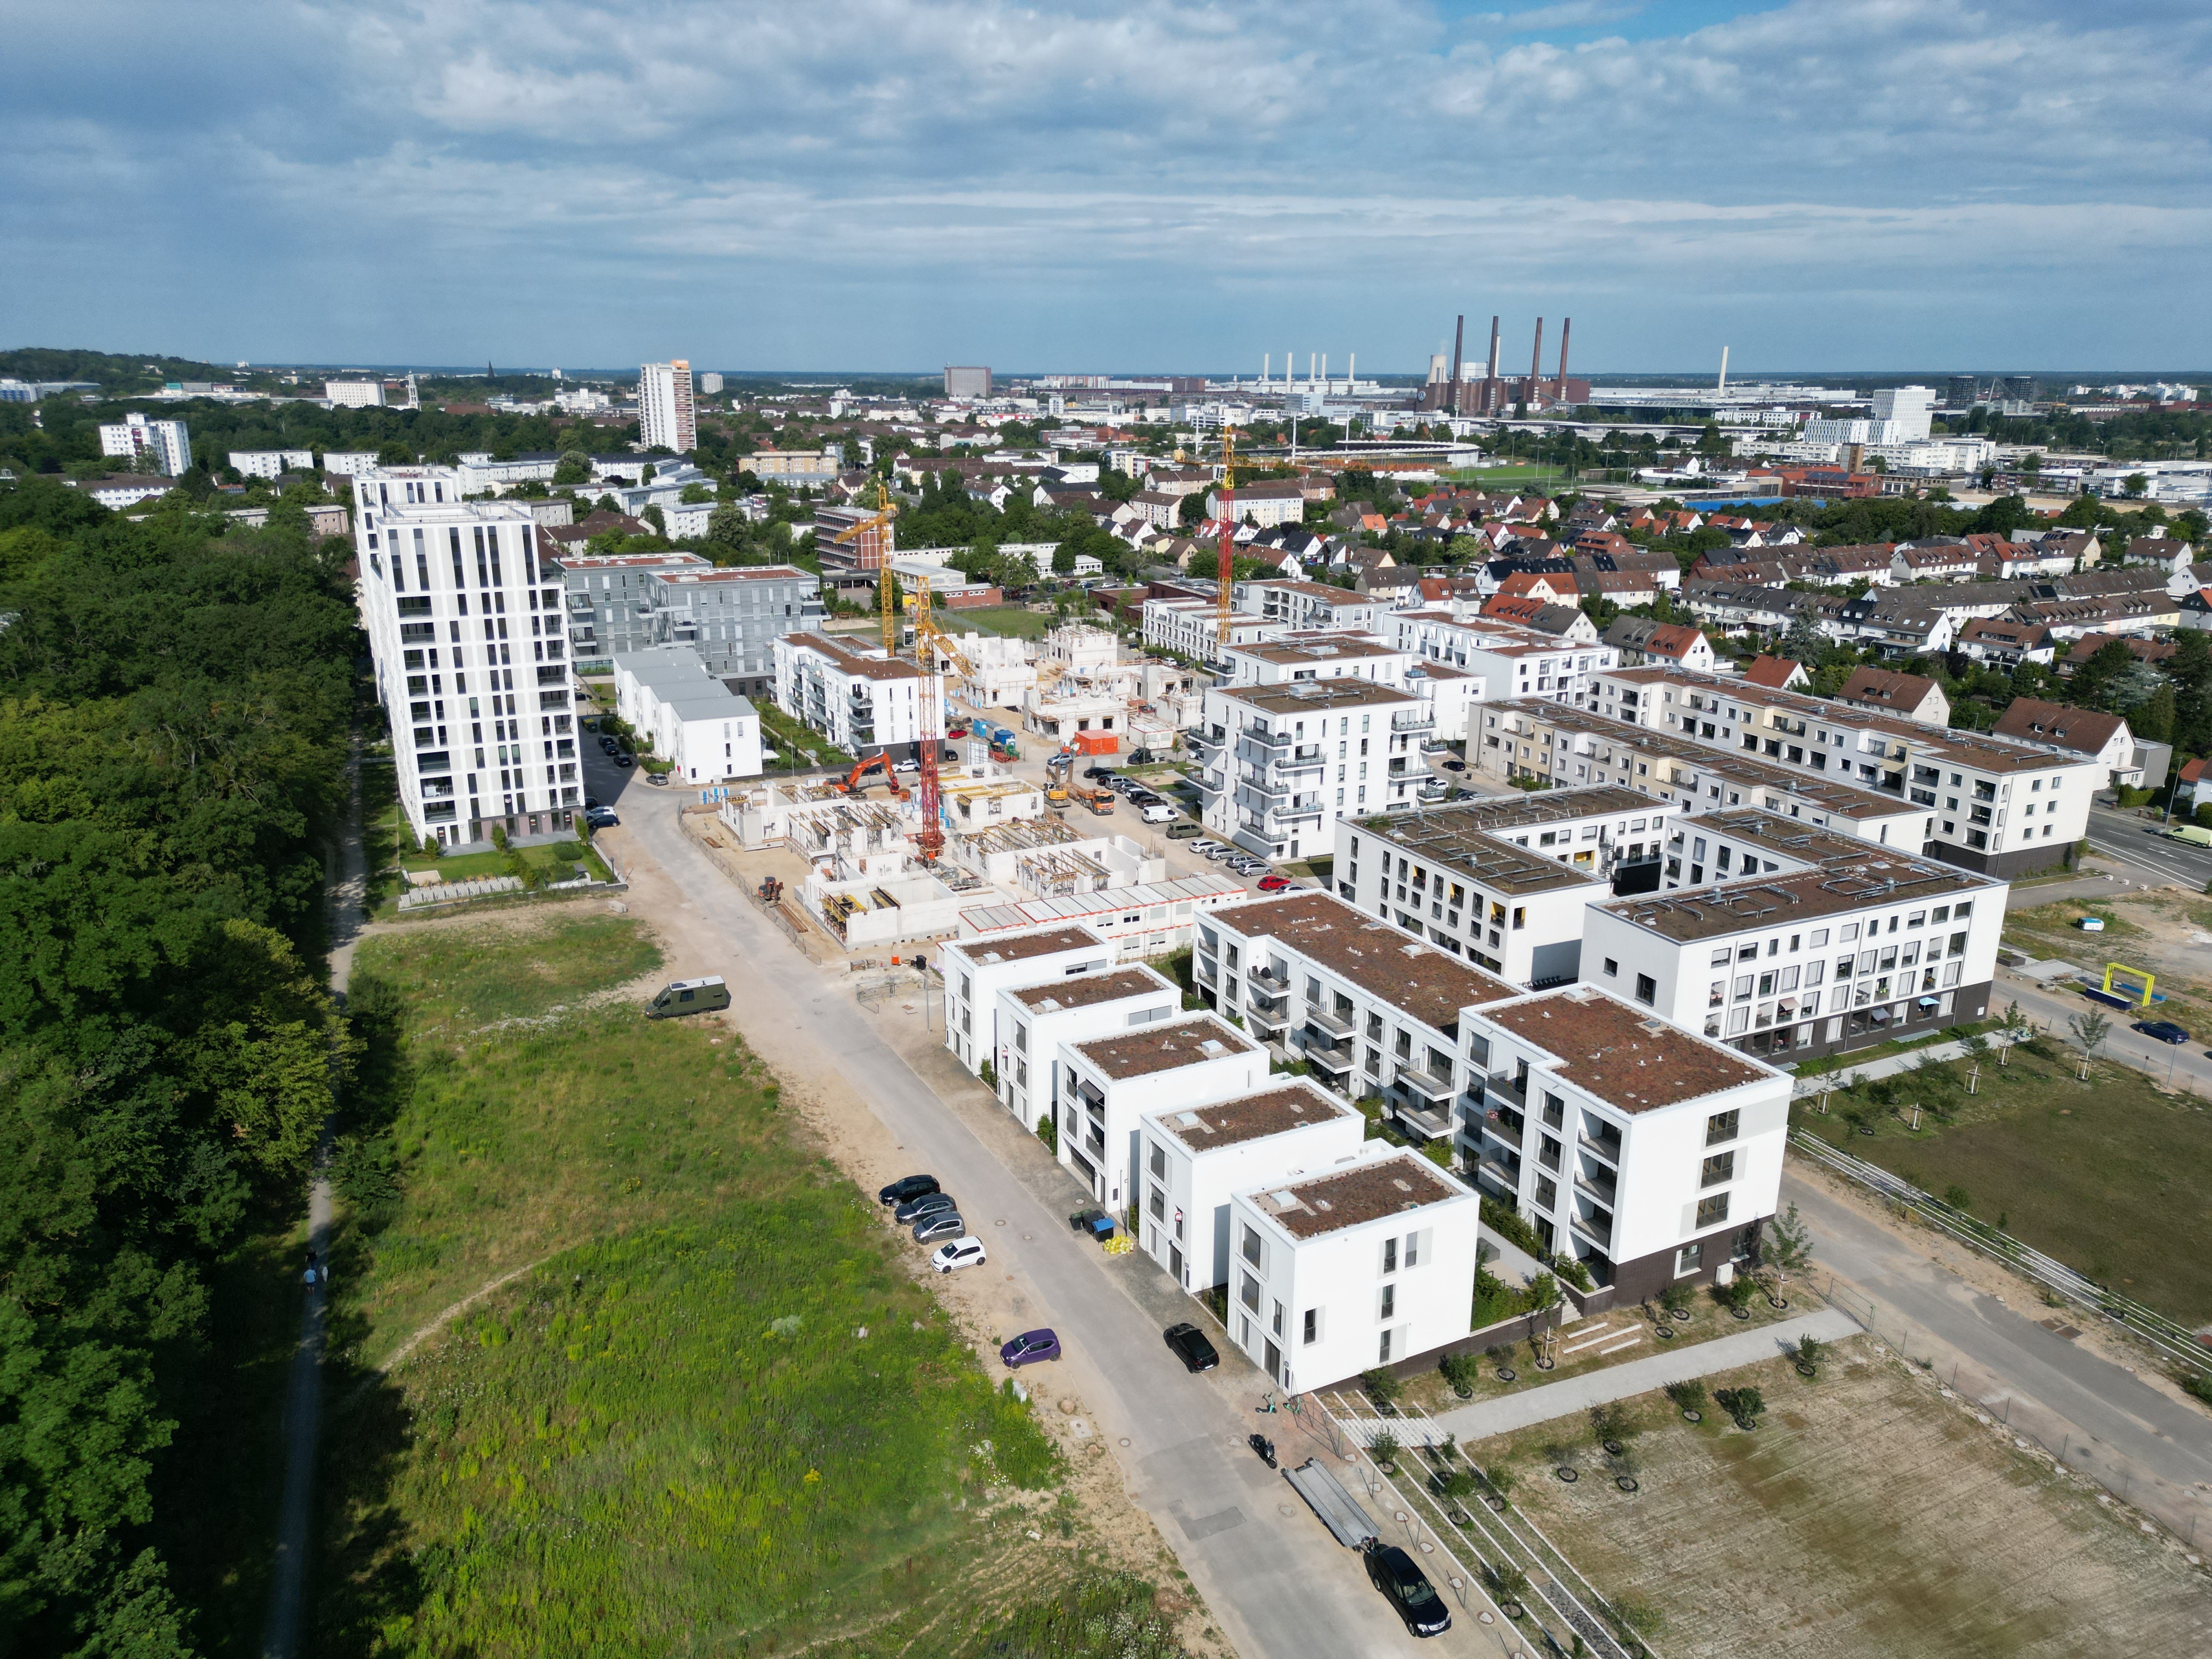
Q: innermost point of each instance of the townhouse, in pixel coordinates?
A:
(976, 971)
(1911, 696)
(864, 701)
(1109, 1085)
(1196, 1158)
(1640, 639)
(1367, 1266)
(1036, 1019)
(1280, 763)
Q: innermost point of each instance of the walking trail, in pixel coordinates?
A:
(303, 1390)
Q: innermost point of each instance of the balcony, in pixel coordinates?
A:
(1426, 1084)
(1607, 1147)
(1596, 1229)
(1337, 1028)
(1509, 1180)
(1335, 1060)
(1498, 1129)
(1266, 1021)
(1266, 979)
(1504, 1084)
(1422, 720)
(1421, 1121)
(1603, 1192)
(1259, 739)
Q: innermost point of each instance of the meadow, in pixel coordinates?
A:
(703, 1406)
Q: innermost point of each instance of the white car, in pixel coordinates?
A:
(1158, 814)
(960, 1253)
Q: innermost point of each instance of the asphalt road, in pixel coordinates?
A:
(2139, 841)
(1276, 1581)
(2184, 1065)
(2155, 1451)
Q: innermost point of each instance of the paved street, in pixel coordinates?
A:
(1278, 1584)
(2138, 842)
(2155, 1451)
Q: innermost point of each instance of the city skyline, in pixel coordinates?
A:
(1848, 186)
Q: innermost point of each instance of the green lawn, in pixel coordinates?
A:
(2105, 1175)
(713, 1414)
(1012, 621)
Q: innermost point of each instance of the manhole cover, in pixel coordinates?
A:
(1030, 1236)
(1125, 1439)
(998, 1224)
(1285, 1509)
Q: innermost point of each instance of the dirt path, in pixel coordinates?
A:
(303, 1391)
(445, 1317)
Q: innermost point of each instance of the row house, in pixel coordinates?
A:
(1109, 1085)
(1914, 697)
(2005, 643)
(1035, 1016)
(1192, 628)
(1565, 622)
(1640, 639)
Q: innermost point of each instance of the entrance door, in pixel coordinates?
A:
(1175, 1263)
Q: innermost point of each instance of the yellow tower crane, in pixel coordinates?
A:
(886, 510)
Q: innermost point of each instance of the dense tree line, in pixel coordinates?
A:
(174, 700)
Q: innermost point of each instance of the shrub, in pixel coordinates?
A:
(1744, 1405)
(1504, 1582)
(1509, 1224)
(1459, 1370)
(1383, 1449)
(2198, 1384)
(1737, 1292)
(1499, 1478)
(1575, 1271)
(989, 1073)
(1610, 1421)
(1383, 1386)
(1047, 1131)
(1675, 1297)
(1688, 1396)
(499, 837)
(1958, 1197)
(431, 846)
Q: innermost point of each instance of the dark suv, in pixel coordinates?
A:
(1409, 1589)
(905, 1188)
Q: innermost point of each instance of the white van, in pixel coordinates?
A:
(688, 996)
(1158, 814)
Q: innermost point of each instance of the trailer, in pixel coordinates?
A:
(1339, 1511)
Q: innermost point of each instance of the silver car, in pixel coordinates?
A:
(944, 1224)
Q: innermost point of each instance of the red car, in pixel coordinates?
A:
(1273, 884)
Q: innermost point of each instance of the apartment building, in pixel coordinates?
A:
(165, 446)
(354, 394)
(1281, 763)
(1038, 1019)
(1807, 943)
(468, 633)
(665, 418)
(1353, 1269)
(1291, 658)
(1109, 1085)
(1510, 660)
(1982, 802)
(1192, 628)
(864, 701)
(1371, 1009)
(1196, 1158)
(668, 695)
(271, 463)
(734, 616)
(610, 605)
(1308, 607)
(1504, 881)
(1271, 501)
(1650, 1154)
(349, 463)
(976, 971)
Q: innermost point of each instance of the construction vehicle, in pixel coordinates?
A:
(1055, 797)
(854, 779)
(1100, 801)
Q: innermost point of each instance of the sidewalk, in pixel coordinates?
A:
(1579, 1394)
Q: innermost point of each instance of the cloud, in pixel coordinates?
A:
(579, 179)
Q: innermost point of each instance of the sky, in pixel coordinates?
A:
(1148, 185)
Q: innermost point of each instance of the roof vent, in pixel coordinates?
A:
(1403, 1186)
(1211, 1047)
(1322, 1204)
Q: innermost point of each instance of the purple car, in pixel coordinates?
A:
(1029, 1348)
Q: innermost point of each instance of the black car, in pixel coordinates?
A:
(904, 1187)
(1191, 1348)
(1409, 1589)
(590, 801)
(1099, 774)
(928, 1204)
(622, 760)
(2163, 1030)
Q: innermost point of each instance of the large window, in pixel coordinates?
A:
(1711, 1211)
(1721, 1126)
(1647, 989)
(1720, 1167)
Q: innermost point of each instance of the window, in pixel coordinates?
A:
(1252, 1245)
(1248, 1292)
(1689, 1259)
(1159, 1162)
(1276, 1323)
(1389, 1256)
(1382, 1350)
(1612, 967)
(1413, 1250)
(1711, 1211)
(1720, 1126)
(1647, 989)
(1387, 1306)
(1719, 1168)
(1159, 1201)
(1311, 1332)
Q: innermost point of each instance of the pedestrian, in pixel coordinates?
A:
(308, 1278)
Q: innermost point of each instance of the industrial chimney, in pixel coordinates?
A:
(1566, 327)
(1535, 363)
(1493, 347)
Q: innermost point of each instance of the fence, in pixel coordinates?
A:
(2172, 1341)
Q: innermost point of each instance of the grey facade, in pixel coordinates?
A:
(610, 602)
(620, 604)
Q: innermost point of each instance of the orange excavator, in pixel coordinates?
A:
(851, 785)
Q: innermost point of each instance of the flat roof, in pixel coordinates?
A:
(1311, 696)
(1431, 985)
(1252, 1117)
(1791, 836)
(1837, 887)
(850, 662)
(1089, 990)
(751, 573)
(1152, 1049)
(1625, 1057)
(1307, 648)
(1495, 814)
(1485, 860)
(589, 562)
(1021, 947)
(1349, 1198)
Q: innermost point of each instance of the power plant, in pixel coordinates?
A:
(1493, 395)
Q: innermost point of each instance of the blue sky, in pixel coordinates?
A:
(1152, 185)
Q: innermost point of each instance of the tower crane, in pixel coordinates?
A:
(886, 510)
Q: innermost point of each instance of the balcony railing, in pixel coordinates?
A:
(1598, 1230)
(1498, 1128)
(1508, 1179)
(1429, 1124)
(1412, 722)
(1608, 1149)
(1266, 979)
(1336, 1027)
(1335, 1060)
(1426, 1084)
(1503, 1083)
(1604, 1191)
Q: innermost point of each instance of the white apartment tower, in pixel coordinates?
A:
(164, 443)
(664, 407)
(466, 628)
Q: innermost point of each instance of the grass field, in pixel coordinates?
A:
(709, 1410)
(2105, 1175)
(1865, 1517)
(1012, 621)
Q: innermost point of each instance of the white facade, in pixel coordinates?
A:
(467, 629)
(1109, 1085)
(1036, 1020)
(1509, 661)
(1282, 763)
(269, 463)
(1907, 411)
(1352, 1269)
(694, 719)
(1291, 658)
(862, 700)
(164, 445)
(1308, 607)
(976, 971)
(1191, 627)
(710, 383)
(1196, 1158)
(349, 463)
(355, 394)
(665, 419)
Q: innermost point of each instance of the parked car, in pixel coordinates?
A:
(960, 1253)
(906, 1187)
(1191, 1346)
(688, 996)
(1273, 884)
(1455, 766)
(1158, 812)
(603, 817)
(590, 802)
(926, 1204)
(2163, 1030)
(1209, 849)
(1184, 831)
(1029, 1348)
(1099, 774)
(1397, 1577)
(944, 1224)
(908, 766)
(624, 762)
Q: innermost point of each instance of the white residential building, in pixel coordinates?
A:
(354, 394)
(270, 463)
(1191, 627)
(349, 463)
(1268, 502)
(468, 631)
(976, 971)
(1280, 763)
(1150, 918)
(1109, 1085)
(710, 383)
(164, 445)
(1509, 661)
(1908, 411)
(666, 693)
(1308, 607)
(864, 701)
(1036, 1021)
(1353, 1269)
(1647, 1152)
(1291, 658)
(665, 419)
(1197, 1158)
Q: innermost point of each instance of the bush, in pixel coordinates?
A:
(1574, 1270)
(1383, 1386)
(1744, 1405)
(1688, 1396)
(989, 1073)
(499, 837)
(1047, 1131)
(1737, 1292)
(2198, 1385)
(1811, 1350)
(1610, 1421)
(432, 846)
(1675, 1297)
(1459, 1370)
(1510, 1224)
(1383, 1449)
(1504, 1582)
